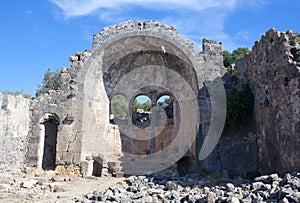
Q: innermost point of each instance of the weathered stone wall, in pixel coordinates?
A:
(269, 142)
(64, 106)
(212, 59)
(272, 70)
(130, 45)
(81, 105)
(14, 127)
(238, 150)
(136, 26)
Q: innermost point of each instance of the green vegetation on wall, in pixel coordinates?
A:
(239, 105)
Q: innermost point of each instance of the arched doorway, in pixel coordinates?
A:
(48, 141)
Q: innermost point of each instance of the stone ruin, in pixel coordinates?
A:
(70, 129)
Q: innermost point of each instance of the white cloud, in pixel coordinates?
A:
(194, 19)
(74, 8)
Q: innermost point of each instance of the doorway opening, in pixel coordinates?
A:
(50, 141)
(97, 166)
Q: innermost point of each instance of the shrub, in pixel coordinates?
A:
(51, 81)
(239, 106)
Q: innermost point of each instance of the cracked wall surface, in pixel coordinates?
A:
(14, 127)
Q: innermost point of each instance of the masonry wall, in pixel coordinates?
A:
(129, 45)
(272, 70)
(64, 106)
(268, 143)
(14, 127)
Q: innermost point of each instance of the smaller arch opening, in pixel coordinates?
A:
(141, 111)
(166, 102)
(49, 140)
(118, 108)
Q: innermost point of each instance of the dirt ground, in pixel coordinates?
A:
(60, 190)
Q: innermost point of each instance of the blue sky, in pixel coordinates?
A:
(41, 34)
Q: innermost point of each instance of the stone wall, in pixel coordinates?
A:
(269, 142)
(128, 46)
(136, 26)
(14, 127)
(272, 70)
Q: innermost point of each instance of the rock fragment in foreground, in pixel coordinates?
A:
(158, 188)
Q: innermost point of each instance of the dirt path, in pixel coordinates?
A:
(55, 191)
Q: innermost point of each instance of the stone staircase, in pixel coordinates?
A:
(114, 165)
(117, 165)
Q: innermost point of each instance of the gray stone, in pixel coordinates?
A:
(230, 187)
(267, 179)
(234, 200)
(109, 193)
(287, 177)
(247, 199)
(5, 187)
(55, 178)
(170, 185)
(154, 191)
(187, 189)
(211, 197)
(285, 200)
(28, 170)
(89, 196)
(257, 185)
(138, 195)
(125, 199)
(29, 184)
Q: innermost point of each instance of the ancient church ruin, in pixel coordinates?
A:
(71, 128)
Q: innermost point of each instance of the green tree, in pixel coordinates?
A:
(227, 59)
(231, 58)
(239, 53)
(51, 81)
(146, 106)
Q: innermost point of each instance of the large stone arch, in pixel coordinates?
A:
(96, 98)
(116, 53)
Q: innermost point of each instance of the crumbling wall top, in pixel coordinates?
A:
(137, 27)
(276, 51)
(211, 47)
